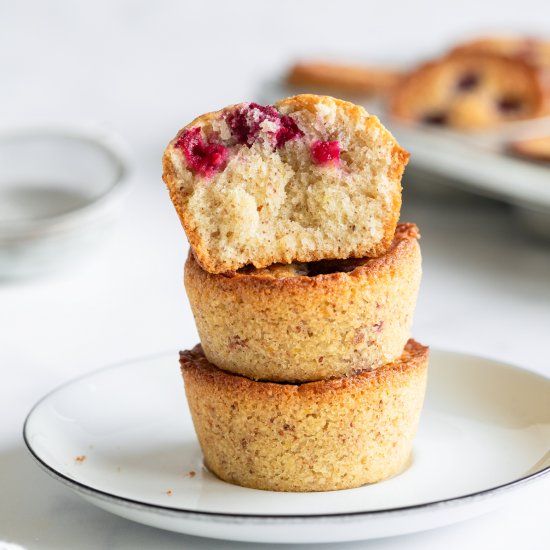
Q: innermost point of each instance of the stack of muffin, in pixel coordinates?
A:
(303, 288)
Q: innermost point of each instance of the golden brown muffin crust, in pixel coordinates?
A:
(316, 436)
(413, 357)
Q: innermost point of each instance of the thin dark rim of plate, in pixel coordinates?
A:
(110, 497)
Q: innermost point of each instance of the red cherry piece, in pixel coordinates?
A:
(289, 130)
(202, 157)
(325, 152)
(246, 121)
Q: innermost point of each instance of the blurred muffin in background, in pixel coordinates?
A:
(533, 51)
(533, 149)
(356, 80)
(469, 90)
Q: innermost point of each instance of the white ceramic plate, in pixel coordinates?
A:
(122, 438)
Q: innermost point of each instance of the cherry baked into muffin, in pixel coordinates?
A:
(307, 179)
(470, 90)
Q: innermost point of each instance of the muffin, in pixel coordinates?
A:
(308, 179)
(533, 50)
(308, 321)
(470, 90)
(537, 148)
(349, 79)
(318, 436)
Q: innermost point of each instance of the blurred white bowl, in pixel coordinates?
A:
(60, 192)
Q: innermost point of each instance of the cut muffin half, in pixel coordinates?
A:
(308, 179)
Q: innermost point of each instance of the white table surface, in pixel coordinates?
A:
(146, 68)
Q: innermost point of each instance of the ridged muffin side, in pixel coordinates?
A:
(287, 323)
(318, 436)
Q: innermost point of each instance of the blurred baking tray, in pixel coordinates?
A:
(472, 161)
(477, 163)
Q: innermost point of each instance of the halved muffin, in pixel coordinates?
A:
(307, 179)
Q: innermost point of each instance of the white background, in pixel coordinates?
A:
(145, 69)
